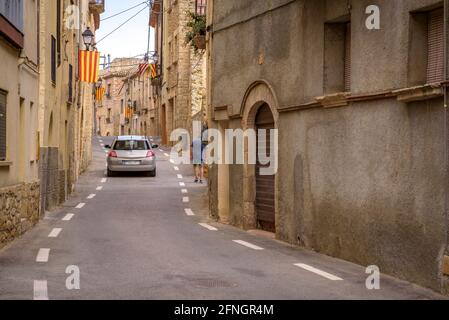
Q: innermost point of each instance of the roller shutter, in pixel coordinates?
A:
(265, 185)
(435, 64)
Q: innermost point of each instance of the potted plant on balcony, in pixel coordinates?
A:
(156, 82)
(196, 34)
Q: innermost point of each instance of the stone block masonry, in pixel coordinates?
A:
(19, 210)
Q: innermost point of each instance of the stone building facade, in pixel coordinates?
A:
(362, 171)
(111, 111)
(66, 105)
(180, 96)
(19, 98)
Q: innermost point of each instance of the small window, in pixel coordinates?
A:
(200, 7)
(70, 98)
(337, 57)
(435, 47)
(426, 47)
(58, 30)
(53, 59)
(2, 125)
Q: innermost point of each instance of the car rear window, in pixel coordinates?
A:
(131, 145)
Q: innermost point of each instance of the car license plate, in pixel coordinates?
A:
(131, 163)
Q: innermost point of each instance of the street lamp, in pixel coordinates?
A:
(88, 38)
(155, 58)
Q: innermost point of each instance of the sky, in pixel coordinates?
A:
(131, 39)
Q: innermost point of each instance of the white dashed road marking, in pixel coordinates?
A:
(99, 188)
(172, 161)
(182, 184)
(176, 168)
(208, 227)
(68, 217)
(91, 196)
(80, 206)
(318, 272)
(247, 244)
(179, 176)
(166, 154)
(40, 291)
(161, 150)
(104, 180)
(189, 212)
(55, 233)
(42, 255)
(185, 199)
(184, 191)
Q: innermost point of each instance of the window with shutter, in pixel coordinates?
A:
(435, 49)
(53, 59)
(70, 98)
(348, 57)
(2, 125)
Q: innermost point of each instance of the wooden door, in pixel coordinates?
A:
(265, 185)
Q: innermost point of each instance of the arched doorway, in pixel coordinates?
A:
(265, 184)
(260, 192)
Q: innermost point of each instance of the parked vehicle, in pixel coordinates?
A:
(131, 154)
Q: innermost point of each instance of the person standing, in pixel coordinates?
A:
(198, 160)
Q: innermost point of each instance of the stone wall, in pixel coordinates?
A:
(50, 178)
(19, 210)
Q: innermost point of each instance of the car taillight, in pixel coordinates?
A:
(150, 154)
(113, 154)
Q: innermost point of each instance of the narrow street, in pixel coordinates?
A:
(134, 239)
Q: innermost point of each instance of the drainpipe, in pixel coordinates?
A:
(446, 124)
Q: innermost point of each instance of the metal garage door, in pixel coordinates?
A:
(265, 185)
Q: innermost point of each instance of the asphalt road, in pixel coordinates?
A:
(135, 238)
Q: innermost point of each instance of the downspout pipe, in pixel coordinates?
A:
(446, 124)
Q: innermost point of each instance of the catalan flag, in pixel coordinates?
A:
(99, 94)
(89, 63)
(153, 71)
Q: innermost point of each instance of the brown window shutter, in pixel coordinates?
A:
(435, 63)
(2, 126)
(348, 57)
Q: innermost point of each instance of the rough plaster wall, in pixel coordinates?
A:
(369, 185)
(364, 182)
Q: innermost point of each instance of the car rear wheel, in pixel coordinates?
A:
(152, 173)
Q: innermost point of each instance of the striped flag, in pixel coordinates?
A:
(99, 94)
(89, 63)
(153, 71)
(142, 68)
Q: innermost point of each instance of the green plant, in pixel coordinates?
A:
(196, 27)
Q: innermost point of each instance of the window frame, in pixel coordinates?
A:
(201, 7)
(4, 124)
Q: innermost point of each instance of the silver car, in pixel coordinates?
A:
(132, 154)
